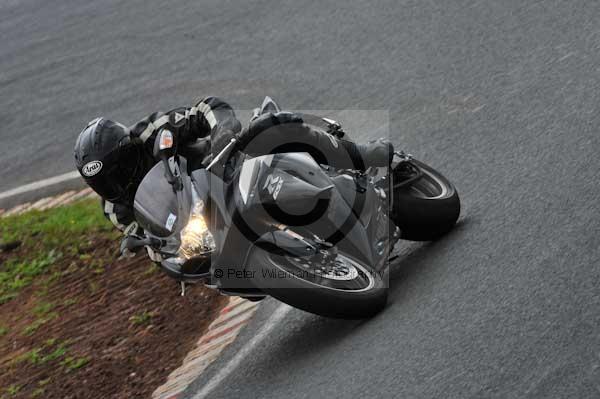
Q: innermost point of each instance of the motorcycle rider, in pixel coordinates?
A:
(113, 158)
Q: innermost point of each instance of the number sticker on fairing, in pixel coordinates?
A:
(273, 185)
(170, 222)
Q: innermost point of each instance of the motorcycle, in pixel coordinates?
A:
(282, 225)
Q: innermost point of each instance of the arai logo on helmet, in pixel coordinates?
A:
(91, 168)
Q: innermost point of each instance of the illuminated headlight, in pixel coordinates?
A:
(196, 239)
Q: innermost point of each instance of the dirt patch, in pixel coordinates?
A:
(95, 327)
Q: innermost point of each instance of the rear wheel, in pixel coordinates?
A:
(334, 286)
(427, 206)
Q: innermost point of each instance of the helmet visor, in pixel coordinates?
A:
(119, 177)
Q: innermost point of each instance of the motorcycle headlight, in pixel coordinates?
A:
(196, 238)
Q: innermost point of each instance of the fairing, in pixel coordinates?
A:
(241, 210)
(292, 189)
(157, 207)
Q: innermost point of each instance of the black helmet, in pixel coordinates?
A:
(108, 160)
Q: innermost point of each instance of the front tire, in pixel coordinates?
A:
(427, 208)
(323, 298)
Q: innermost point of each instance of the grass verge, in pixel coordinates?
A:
(77, 322)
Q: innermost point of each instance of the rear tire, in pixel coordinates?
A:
(427, 208)
(318, 299)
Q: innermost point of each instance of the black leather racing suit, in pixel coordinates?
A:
(211, 117)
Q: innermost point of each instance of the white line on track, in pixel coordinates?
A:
(235, 361)
(40, 184)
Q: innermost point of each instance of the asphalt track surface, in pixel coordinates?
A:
(501, 96)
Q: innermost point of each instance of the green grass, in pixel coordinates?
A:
(51, 350)
(56, 224)
(40, 390)
(37, 323)
(44, 382)
(74, 363)
(97, 266)
(13, 389)
(43, 313)
(33, 356)
(54, 243)
(43, 308)
(141, 318)
(93, 286)
(17, 274)
(70, 301)
(59, 351)
(46, 234)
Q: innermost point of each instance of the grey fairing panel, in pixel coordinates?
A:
(155, 202)
(303, 182)
(302, 178)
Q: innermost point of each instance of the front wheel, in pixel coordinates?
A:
(426, 205)
(335, 286)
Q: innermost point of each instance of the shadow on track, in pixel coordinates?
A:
(313, 334)
(413, 256)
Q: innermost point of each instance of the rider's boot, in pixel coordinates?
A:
(286, 132)
(377, 153)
